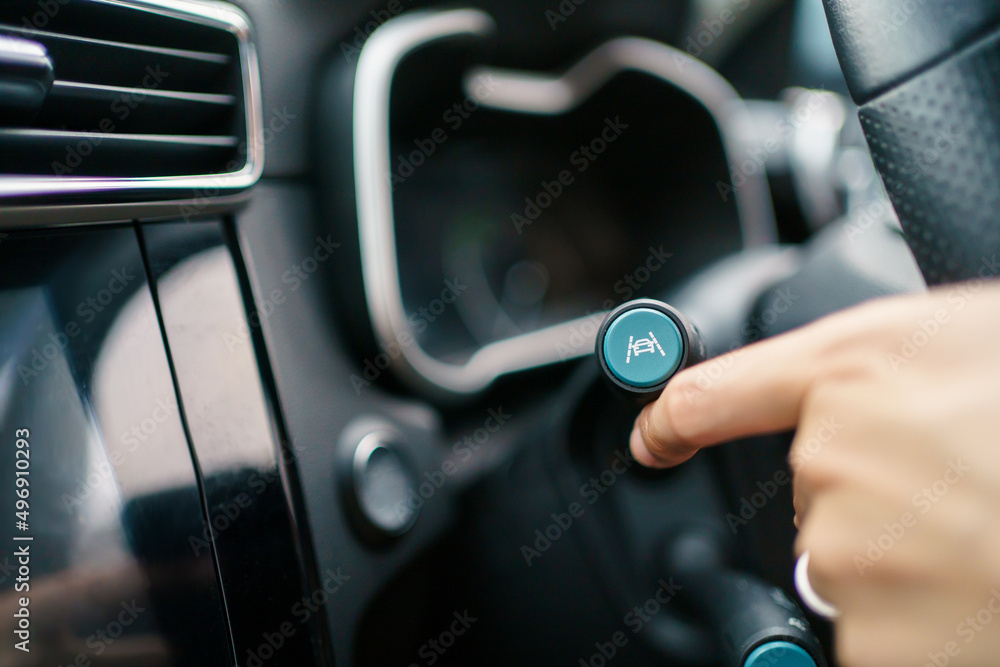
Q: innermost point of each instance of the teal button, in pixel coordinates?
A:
(643, 347)
(779, 654)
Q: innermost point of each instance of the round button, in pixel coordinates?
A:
(381, 481)
(643, 347)
(779, 654)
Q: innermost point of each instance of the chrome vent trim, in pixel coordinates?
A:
(43, 200)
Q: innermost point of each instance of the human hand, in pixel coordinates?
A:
(896, 462)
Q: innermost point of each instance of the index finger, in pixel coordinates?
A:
(758, 389)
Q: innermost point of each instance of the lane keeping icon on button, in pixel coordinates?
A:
(643, 345)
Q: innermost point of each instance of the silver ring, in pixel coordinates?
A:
(809, 596)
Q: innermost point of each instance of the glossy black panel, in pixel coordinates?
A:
(323, 411)
(112, 495)
(248, 477)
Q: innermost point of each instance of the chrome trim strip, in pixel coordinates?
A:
(189, 139)
(550, 95)
(384, 50)
(34, 33)
(206, 98)
(209, 13)
(381, 55)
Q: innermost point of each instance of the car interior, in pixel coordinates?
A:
(299, 303)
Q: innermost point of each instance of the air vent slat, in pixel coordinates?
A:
(125, 64)
(114, 21)
(87, 107)
(56, 153)
(90, 91)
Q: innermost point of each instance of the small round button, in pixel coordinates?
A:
(382, 480)
(643, 347)
(375, 478)
(779, 654)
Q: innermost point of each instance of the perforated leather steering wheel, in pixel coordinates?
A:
(926, 75)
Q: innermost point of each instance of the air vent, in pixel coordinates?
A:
(144, 96)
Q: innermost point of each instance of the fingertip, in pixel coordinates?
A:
(654, 448)
(640, 452)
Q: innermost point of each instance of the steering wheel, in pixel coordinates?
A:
(926, 76)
